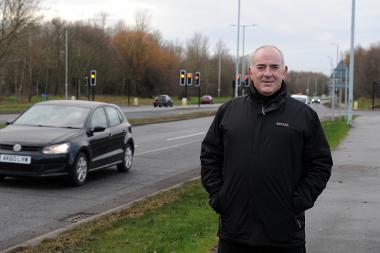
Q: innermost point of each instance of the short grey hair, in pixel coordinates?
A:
(270, 46)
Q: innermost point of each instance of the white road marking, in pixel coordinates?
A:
(185, 136)
(165, 148)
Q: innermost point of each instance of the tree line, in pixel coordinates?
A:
(33, 58)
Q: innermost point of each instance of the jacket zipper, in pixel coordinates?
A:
(271, 101)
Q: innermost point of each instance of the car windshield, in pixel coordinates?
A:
(54, 116)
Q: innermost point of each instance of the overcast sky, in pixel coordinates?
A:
(304, 29)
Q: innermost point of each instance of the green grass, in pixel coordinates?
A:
(179, 220)
(335, 131)
(183, 116)
(366, 103)
(186, 225)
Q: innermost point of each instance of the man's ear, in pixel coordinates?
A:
(285, 72)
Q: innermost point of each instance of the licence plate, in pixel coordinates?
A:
(15, 159)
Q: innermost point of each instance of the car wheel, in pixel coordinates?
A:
(79, 170)
(159, 106)
(155, 105)
(127, 159)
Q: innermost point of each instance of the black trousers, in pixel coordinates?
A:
(229, 247)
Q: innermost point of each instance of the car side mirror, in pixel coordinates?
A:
(8, 123)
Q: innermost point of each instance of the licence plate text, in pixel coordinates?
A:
(15, 159)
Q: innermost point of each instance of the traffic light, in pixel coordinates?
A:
(182, 76)
(246, 80)
(93, 78)
(238, 79)
(189, 78)
(197, 78)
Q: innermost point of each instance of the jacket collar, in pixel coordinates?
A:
(266, 104)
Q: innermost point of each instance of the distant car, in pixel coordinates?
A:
(207, 99)
(66, 138)
(302, 98)
(162, 100)
(316, 100)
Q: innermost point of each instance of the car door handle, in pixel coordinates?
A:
(110, 134)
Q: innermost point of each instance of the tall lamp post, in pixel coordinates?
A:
(243, 63)
(332, 89)
(337, 52)
(351, 72)
(335, 74)
(243, 55)
(237, 51)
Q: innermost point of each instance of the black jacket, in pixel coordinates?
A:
(263, 164)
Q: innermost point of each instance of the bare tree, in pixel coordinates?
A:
(14, 17)
(197, 57)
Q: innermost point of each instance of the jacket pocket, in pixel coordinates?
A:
(281, 228)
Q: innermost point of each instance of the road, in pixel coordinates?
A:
(166, 154)
(143, 111)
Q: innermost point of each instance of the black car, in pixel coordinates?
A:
(163, 100)
(66, 138)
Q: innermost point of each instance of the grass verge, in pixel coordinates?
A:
(335, 131)
(178, 220)
(183, 116)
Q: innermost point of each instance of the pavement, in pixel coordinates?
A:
(346, 217)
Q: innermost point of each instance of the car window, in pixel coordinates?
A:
(99, 118)
(54, 116)
(113, 116)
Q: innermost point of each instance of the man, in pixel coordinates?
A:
(265, 160)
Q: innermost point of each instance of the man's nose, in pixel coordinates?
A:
(267, 71)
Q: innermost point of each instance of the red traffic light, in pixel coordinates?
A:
(189, 78)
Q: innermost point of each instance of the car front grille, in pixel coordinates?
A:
(24, 148)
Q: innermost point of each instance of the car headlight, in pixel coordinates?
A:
(57, 149)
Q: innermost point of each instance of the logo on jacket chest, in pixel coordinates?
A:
(282, 124)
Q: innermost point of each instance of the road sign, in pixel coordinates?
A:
(340, 85)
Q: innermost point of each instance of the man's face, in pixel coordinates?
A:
(268, 71)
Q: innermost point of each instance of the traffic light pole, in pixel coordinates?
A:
(88, 90)
(129, 91)
(93, 93)
(199, 96)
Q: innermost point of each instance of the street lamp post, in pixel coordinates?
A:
(351, 72)
(332, 89)
(335, 74)
(237, 51)
(243, 55)
(66, 62)
(337, 52)
(243, 63)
